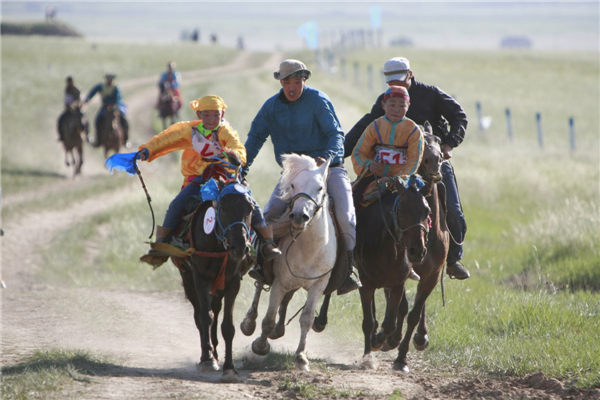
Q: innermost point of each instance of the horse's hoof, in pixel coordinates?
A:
(248, 326)
(261, 351)
(368, 362)
(207, 366)
(277, 333)
(301, 362)
(387, 346)
(231, 376)
(400, 367)
(317, 327)
(423, 345)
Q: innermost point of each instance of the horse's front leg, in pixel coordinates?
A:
(215, 305)
(394, 339)
(306, 321)
(391, 311)
(230, 375)
(204, 321)
(261, 345)
(279, 330)
(400, 364)
(366, 299)
(248, 325)
(420, 339)
(320, 322)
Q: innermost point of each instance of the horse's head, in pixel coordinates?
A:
(431, 165)
(303, 184)
(411, 219)
(234, 215)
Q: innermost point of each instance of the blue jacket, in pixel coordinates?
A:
(307, 126)
(114, 97)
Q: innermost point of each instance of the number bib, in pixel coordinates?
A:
(391, 154)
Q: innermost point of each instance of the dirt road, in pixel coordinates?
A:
(154, 343)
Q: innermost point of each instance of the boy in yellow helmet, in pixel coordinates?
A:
(208, 137)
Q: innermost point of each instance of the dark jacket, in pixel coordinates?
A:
(427, 103)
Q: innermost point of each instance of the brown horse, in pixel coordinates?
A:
(430, 269)
(391, 234)
(168, 105)
(111, 131)
(71, 126)
(213, 272)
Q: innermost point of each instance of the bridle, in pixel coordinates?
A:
(221, 231)
(401, 231)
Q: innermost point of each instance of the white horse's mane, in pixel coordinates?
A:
(293, 165)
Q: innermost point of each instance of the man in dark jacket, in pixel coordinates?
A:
(449, 123)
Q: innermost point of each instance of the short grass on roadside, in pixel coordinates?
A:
(49, 372)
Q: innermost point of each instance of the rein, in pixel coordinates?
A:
(319, 208)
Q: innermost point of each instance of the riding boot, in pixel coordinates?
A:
(269, 251)
(412, 275)
(456, 270)
(155, 258)
(349, 283)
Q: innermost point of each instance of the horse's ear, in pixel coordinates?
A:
(325, 168)
(233, 158)
(427, 127)
(398, 185)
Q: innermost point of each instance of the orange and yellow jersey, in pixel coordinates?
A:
(179, 137)
(404, 139)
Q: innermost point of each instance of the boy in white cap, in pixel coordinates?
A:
(449, 123)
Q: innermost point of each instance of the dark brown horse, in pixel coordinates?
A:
(72, 125)
(219, 233)
(391, 234)
(111, 131)
(168, 105)
(430, 269)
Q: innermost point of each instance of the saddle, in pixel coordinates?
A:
(340, 269)
(371, 192)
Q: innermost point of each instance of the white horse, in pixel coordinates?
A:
(309, 244)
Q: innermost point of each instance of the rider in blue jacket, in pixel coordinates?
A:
(111, 96)
(302, 120)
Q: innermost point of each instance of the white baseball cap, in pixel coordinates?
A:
(396, 69)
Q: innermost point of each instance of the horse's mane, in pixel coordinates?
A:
(293, 164)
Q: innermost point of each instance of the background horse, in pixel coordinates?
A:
(219, 233)
(168, 105)
(309, 248)
(111, 130)
(431, 268)
(71, 127)
(390, 235)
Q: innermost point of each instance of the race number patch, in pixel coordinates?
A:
(209, 220)
(391, 155)
(204, 146)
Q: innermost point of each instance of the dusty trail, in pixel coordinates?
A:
(152, 336)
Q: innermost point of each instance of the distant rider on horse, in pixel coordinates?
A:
(169, 81)
(111, 96)
(209, 136)
(72, 101)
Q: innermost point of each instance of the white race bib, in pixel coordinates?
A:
(392, 156)
(204, 146)
(209, 220)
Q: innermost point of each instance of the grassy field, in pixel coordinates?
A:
(533, 301)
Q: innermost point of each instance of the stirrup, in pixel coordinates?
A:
(258, 275)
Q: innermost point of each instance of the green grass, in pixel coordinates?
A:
(48, 372)
(532, 303)
(297, 387)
